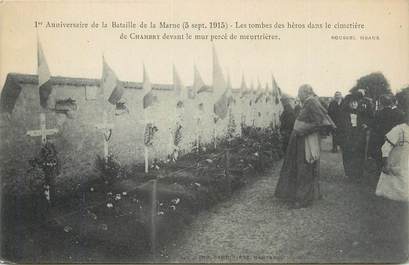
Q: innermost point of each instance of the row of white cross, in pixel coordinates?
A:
(44, 132)
(105, 127)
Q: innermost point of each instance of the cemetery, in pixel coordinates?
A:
(122, 166)
(204, 132)
(116, 211)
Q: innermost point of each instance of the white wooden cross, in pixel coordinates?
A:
(106, 129)
(275, 120)
(197, 130)
(146, 148)
(198, 118)
(43, 132)
(214, 130)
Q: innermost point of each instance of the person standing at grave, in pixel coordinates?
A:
(358, 115)
(299, 175)
(336, 114)
(297, 107)
(287, 119)
(323, 102)
(385, 119)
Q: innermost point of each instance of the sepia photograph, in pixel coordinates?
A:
(230, 131)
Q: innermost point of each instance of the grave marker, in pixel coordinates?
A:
(43, 131)
(107, 131)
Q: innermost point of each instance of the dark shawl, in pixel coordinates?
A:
(298, 179)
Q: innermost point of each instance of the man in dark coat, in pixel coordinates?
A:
(297, 107)
(385, 119)
(337, 115)
(287, 119)
(359, 114)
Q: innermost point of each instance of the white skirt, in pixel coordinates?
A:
(394, 187)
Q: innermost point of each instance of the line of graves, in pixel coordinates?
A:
(139, 207)
(130, 214)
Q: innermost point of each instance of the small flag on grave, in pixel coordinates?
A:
(253, 89)
(219, 84)
(243, 87)
(219, 88)
(267, 93)
(149, 98)
(198, 84)
(251, 92)
(44, 79)
(110, 82)
(258, 98)
(276, 90)
(279, 90)
(179, 88)
(251, 103)
(221, 106)
(177, 83)
(260, 92)
(229, 92)
(121, 108)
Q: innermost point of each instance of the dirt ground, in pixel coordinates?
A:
(350, 224)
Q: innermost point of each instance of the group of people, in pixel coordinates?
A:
(361, 127)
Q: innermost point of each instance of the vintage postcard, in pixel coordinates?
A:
(170, 131)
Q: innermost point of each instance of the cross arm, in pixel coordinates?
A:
(39, 132)
(105, 126)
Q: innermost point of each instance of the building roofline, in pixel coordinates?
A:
(80, 81)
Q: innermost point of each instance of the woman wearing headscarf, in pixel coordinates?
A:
(299, 176)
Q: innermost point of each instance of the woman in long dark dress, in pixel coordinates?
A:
(299, 176)
(287, 119)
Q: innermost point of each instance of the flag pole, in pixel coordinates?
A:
(146, 150)
(146, 159)
(173, 124)
(42, 112)
(214, 131)
(198, 124)
(104, 121)
(174, 110)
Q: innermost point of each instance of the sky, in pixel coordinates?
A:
(300, 56)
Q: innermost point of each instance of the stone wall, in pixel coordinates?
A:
(79, 141)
